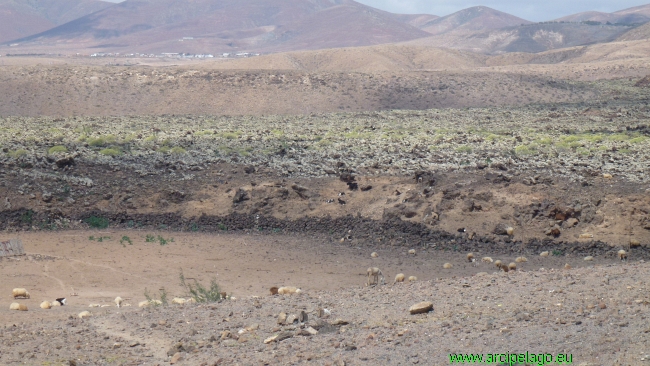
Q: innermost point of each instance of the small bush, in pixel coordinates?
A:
(152, 299)
(125, 239)
(222, 227)
(18, 153)
(556, 252)
(464, 149)
(97, 222)
(57, 149)
(96, 141)
(178, 150)
(27, 217)
(111, 152)
(525, 150)
(150, 238)
(200, 293)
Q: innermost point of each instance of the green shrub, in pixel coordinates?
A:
(178, 150)
(18, 153)
(125, 239)
(163, 149)
(111, 152)
(200, 293)
(57, 149)
(97, 222)
(152, 300)
(525, 150)
(464, 149)
(96, 141)
(150, 238)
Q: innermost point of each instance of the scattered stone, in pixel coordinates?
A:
(282, 318)
(422, 307)
(588, 258)
(177, 357)
(586, 236)
(340, 322)
(571, 222)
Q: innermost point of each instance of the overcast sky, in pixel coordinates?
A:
(533, 10)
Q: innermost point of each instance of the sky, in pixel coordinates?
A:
(533, 10)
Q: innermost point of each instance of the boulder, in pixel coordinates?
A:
(421, 308)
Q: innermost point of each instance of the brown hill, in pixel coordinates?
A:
(636, 15)
(228, 26)
(24, 18)
(538, 37)
(477, 18)
(638, 33)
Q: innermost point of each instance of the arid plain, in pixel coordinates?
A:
(289, 169)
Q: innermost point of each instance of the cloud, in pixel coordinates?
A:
(534, 10)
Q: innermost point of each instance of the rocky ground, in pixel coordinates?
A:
(596, 314)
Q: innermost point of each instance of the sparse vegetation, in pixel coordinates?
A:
(200, 293)
(96, 222)
(160, 300)
(125, 239)
(57, 150)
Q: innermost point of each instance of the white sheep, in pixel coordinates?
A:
(118, 301)
(374, 255)
(147, 303)
(544, 254)
(179, 301)
(447, 266)
(17, 306)
(412, 278)
(470, 257)
(46, 305)
(399, 278)
(521, 260)
(622, 255)
(20, 292)
(288, 290)
(376, 274)
(85, 314)
(412, 251)
(55, 303)
(487, 260)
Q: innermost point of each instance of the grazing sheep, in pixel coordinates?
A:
(447, 266)
(20, 292)
(55, 303)
(399, 278)
(274, 290)
(288, 290)
(504, 268)
(46, 305)
(543, 254)
(588, 258)
(567, 266)
(17, 306)
(622, 255)
(412, 251)
(85, 314)
(521, 260)
(374, 255)
(470, 257)
(510, 231)
(376, 274)
(179, 301)
(497, 263)
(118, 301)
(412, 278)
(94, 306)
(512, 266)
(147, 303)
(487, 260)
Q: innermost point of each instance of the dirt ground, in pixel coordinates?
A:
(331, 275)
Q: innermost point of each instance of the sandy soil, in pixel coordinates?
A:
(558, 306)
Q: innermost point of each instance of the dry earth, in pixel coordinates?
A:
(597, 311)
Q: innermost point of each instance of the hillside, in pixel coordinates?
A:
(227, 26)
(25, 18)
(636, 15)
(536, 37)
(478, 18)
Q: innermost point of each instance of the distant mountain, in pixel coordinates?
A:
(636, 34)
(22, 18)
(636, 15)
(532, 38)
(229, 26)
(475, 19)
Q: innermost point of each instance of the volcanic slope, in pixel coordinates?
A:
(25, 18)
(229, 26)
